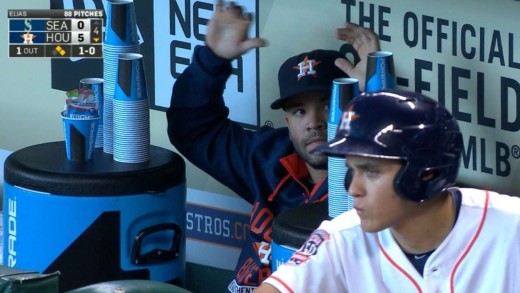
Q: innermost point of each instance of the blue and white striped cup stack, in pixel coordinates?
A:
(120, 38)
(131, 111)
(343, 90)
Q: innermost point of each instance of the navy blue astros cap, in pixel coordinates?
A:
(307, 72)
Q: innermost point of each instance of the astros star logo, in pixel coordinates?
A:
(348, 116)
(28, 37)
(264, 251)
(306, 67)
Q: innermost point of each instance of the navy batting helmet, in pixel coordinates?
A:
(406, 126)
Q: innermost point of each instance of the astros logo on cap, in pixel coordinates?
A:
(306, 67)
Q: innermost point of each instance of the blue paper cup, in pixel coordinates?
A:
(343, 90)
(130, 84)
(380, 72)
(281, 254)
(80, 137)
(121, 25)
(96, 86)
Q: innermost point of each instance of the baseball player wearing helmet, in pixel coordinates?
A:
(410, 230)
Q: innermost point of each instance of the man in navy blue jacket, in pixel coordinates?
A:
(272, 169)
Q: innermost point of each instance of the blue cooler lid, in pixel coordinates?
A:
(293, 226)
(45, 168)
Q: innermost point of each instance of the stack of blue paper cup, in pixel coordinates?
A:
(120, 38)
(343, 90)
(380, 73)
(95, 85)
(131, 111)
(80, 137)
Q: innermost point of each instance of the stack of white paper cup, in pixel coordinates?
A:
(120, 38)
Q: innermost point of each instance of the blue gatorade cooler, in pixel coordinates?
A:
(291, 229)
(95, 221)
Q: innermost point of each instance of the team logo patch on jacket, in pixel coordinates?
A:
(310, 247)
(264, 252)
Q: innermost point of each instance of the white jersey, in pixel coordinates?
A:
(480, 254)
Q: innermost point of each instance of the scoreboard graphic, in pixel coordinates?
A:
(56, 33)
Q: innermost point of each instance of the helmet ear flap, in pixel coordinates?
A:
(411, 183)
(420, 185)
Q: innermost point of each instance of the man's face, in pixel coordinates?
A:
(306, 117)
(375, 199)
